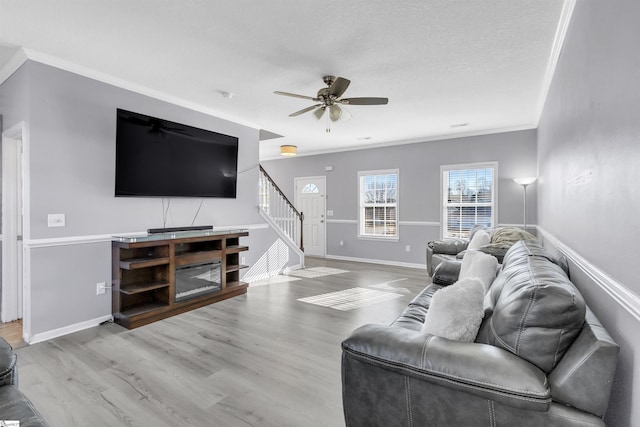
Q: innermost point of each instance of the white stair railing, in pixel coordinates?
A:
(277, 206)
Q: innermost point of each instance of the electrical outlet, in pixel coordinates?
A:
(407, 248)
(242, 260)
(101, 288)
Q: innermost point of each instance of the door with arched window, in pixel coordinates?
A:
(311, 201)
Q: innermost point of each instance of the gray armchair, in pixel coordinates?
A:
(502, 238)
(443, 250)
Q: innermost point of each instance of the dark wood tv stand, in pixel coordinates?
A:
(144, 273)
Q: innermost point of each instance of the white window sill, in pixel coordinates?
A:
(380, 238)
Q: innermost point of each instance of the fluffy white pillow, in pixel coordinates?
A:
(456, 311)
(476, 264)
(479, 239)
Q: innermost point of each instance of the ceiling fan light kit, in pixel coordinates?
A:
(330, 98)
(288, 150)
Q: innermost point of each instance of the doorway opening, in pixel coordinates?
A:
(13, 197)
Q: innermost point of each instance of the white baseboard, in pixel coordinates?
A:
(378, 261)
(626, 298)
(44, 336)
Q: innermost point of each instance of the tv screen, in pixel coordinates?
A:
(159, 158)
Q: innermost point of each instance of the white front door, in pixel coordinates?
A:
(310, 200)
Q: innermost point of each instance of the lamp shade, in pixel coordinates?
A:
(288, 150)
(525, 180)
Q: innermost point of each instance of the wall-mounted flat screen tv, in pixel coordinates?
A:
(160, 158)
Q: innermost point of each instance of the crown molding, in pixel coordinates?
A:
(16, 61)
(33, 55)
(561, 33)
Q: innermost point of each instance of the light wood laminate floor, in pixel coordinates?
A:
(261, 359)
(12, 333)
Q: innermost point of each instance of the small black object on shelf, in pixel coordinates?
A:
(175, 229)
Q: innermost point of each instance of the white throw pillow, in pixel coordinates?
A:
(456, 311)
(476, 264)
(480, 238)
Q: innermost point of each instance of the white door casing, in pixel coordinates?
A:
(13, 141)
(310, 199)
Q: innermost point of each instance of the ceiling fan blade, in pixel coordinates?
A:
(365, 101)
(339, 86)
(304, 110)
(277, 92)
(319, 112)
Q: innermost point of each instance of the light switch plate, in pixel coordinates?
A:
(56, 220)
(329, 213)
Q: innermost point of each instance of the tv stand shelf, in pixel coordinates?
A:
(140, 287)
(132, 264)
(144, 273)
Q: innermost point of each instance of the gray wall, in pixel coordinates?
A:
(14, 98)
(73, 160)
(419, 199)
(71, 123)
(589, 149)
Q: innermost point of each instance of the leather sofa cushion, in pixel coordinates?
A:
(414, 315)
(532, 309)
(523, 249)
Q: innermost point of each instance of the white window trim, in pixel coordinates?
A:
(443, 195)
(359, 201)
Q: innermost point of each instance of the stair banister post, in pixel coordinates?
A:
(301, 231)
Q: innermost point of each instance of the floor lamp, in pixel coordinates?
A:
(526, 181)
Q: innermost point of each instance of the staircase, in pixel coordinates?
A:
(280, 212)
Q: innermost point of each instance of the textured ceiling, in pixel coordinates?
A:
(482, 62)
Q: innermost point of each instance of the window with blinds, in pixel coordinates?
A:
(378, 204)
(468, 197)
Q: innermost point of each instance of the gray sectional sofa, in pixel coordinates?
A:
(540, 358)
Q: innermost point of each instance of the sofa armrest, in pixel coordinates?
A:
(8, 369)
(448, 246)
(481, 370)
(446, 273)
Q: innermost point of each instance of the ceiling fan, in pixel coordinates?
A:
(329, 98)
